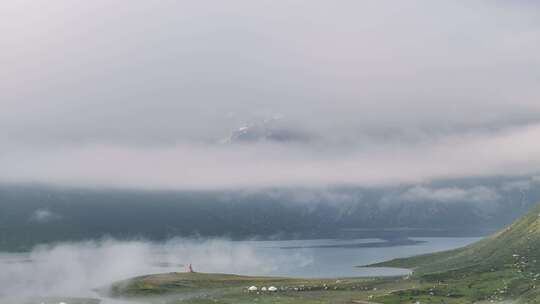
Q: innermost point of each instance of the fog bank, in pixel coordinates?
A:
(75, 269)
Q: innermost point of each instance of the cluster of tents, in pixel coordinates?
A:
(263, 289)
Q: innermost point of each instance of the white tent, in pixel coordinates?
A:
(253, 288)
(272, 289)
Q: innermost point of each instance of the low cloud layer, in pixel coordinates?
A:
(139, 95)
(447, 195)
(44, 216)
(522, 184)
(183, 166)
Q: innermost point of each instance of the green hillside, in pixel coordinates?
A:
(503, 266)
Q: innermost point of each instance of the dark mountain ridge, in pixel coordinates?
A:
(39, 214)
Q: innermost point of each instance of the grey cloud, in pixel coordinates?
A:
(522, 184)
(188, 166)
(99, 93)
(517, 185)
(178, 75)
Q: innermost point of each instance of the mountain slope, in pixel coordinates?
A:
(31, 214)
(504, 266)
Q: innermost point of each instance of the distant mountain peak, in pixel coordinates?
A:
(267, 130)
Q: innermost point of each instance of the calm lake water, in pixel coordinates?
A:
(75, 269)
(338, 258)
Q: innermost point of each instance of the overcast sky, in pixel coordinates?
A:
(140, 93)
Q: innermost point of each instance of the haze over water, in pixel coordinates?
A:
(75, 269)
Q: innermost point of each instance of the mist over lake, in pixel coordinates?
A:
(75, 269)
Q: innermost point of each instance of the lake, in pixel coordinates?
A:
(74, 269)
(338, 258)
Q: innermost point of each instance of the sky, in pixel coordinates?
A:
(141, 94)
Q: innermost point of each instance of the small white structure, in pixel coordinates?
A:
(263, 288)
(272, 289)
(253, 289)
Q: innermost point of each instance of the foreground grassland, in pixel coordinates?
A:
(222, 288)
(191, 288)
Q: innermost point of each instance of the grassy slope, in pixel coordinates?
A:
(505, 265)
